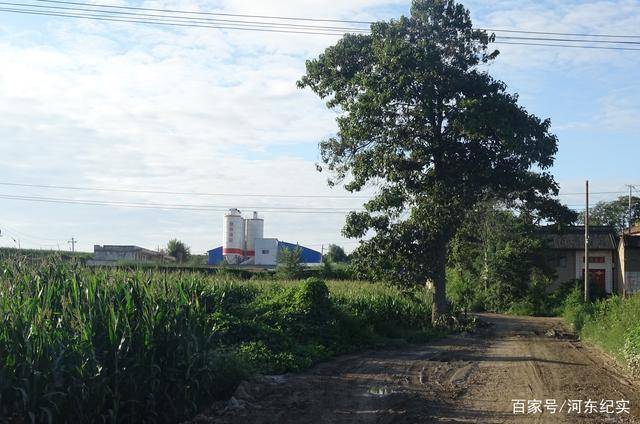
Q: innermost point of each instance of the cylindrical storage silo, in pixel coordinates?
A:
(233, 236)
(254, 230)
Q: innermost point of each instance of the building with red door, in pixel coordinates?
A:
(614, 259)
(566, 256)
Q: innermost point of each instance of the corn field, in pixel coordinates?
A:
(93, 345)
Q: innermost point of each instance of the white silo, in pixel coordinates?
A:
(254, 230)
(233, 243)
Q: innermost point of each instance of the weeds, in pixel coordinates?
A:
(613, 324)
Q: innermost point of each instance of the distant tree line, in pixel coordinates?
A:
(614, 213)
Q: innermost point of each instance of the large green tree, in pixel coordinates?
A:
(614, 213)
(178, 250)
(336, 254)
(420, 119)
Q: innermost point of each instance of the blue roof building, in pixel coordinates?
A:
(308, 256)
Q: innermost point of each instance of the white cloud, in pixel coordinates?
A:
(117, 105)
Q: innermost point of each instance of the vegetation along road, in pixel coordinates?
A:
(463, 378)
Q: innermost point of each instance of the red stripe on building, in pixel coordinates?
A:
(251, 253)
(231, 251)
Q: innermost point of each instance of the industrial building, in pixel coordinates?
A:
(112, 254)
(243, 243)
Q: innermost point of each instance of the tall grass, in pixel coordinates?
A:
(613, 324)
(106, 345)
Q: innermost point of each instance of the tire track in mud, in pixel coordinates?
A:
(463, 378)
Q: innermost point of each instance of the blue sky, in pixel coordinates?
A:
(97, 104)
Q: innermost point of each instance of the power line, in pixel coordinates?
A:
(195, 22)
(568, 34)
(203, 194)
(566, 46)
(591, 192)
(270, 209)
(260, 29)
(16, 235)
(158, 22)
(288, 18)
(190, 193)
(185, 18)
(503, 37)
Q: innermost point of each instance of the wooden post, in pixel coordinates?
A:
(629, 211)
(586, 243)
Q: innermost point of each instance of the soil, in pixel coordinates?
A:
(468, 378)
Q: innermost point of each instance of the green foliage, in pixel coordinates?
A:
(197, 261)
(522, 307)
(178, 250)
(289, 263)
(497, 264)
(464, 291)
(37, 255)
(614, 213)
(613, 324)
(92, 345)
(336, 254)
(335, 271)
(422, 121)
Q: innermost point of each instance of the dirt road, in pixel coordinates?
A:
(464, 378)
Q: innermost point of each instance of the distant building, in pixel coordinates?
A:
(566, 255)
(629, 257)
(243, 243)
(266, 253)
(111, 254)
(614, 259)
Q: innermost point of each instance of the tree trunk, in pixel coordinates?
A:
(439, 307)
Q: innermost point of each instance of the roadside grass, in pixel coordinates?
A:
(613, 324)
(81, 344)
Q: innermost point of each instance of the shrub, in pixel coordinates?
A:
(289, 263)
(612, 323)
(575, 311)
(522, 307)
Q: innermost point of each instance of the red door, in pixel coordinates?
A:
(597, 281)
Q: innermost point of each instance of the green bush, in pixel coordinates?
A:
(613, 324)
(575, 311)
(522, 307)
(289, 263)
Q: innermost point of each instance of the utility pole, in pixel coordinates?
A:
(73, 242)
(629, 211)
(586, 243)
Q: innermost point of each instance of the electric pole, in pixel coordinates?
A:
(73, 242)
(629, 211)
(586, 243)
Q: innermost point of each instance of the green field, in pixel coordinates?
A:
(82, 344)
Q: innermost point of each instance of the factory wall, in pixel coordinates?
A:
(309, 256)
(215, 256)
(268, 258)
(266, 251)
